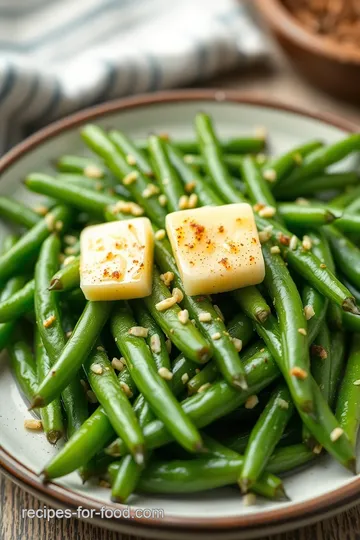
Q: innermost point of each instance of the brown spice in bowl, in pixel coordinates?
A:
(338, 20)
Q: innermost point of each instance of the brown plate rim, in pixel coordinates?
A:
(330, 502)
(281, 19)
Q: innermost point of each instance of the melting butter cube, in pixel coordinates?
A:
(116, 260)
(216, 248)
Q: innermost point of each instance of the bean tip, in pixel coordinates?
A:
(204, 354)
(44, 477)
(53, 436)
(37, 401)
(262, 315)
(351, 465)
(55, 285)
(244, 485)
(139, 455)
(199, 448)
(117, 500)
(349, 305)
(239, 382)
(281, 495)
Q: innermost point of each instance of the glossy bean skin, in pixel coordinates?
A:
(18, 213)
(23, 366)
(132, 152)
(18, 304)
(230, 145)
(345, 253)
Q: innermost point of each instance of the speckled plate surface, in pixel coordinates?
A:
(317, 491)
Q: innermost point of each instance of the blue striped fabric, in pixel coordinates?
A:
(57, 56)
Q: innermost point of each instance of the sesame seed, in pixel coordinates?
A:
(130, 178)
(264, 236)
(216, 336)
(165, 373)
(160, 234)
(190, 186)
(49, 321)
(162, 200)
(100, 348)
(293, 242)
(193, 201)
(260, 159)
(356, 383)
(261, 132)
(270, 175)
(91, 397)
(189, 159)
(204, 387)
(70, 239)
(41, 210)
(93, 171)
(68, 260)
(155, 344)
(126, 389)
(309, 312)
(59, 225)
(50, 221)
(283, 404)
(71, 250)
(249, 499)
(117, 364)
(275, 250)
(32, 424)
(150, 190)
(163, 305)
(267, 212)
(165, 181)
(299, 373)
(301, 201)
(168, 345)
(302, 331)
(183, 316)
(320, 351)
(205, 316)
(219, 312)
(184, 378)
(177, 294)
(68, 334)
(183, 202)
(322, 266)
(138, 331)
(251, 402)
(131, 159)
(238, 344)
(336, 434)
(97, 369)
(167, 278)
(317, 449)
(307, 243)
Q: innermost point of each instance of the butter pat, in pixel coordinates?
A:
(217, 248)
(116, 260)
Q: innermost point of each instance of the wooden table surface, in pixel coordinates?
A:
(277, 82)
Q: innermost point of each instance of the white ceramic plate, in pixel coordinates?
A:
(319, 490)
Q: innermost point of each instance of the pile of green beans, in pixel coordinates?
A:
(281, 363)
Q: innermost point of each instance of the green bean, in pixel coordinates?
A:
(213, 158)
(79, 197)
(265, 435)
(154, 388)
(348, 223)
(241, 327)
(309, 266)
(296, 215)
(51, 415)
(167, 176)
(85, 443)
(338, 348)
(105, 385)
(230, 145)
(321, 360)
(291, 435)
(232, 161)
(354, 291)
(155, 337)
(293, 325)
(184, 336)
(350, 195)
(258, 189)
(315, 162)
(106, 185)
(348, 401)
(321, 423)
(280, 167)
(251, 301)
(81, 165)
(206, 195)
(74, 353)
(67, 278)
(116, 161)
(19, 303)
(17, 212)
(320, 183)
(183, 370)
(134, 155)
(288, 458)
(315, 306)
(24, 250)
(123, 484)
(23, 366)
(345, 253)
(224, 351)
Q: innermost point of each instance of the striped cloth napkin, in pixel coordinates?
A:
(57, 56)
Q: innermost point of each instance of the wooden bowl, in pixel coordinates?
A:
(325, 63)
